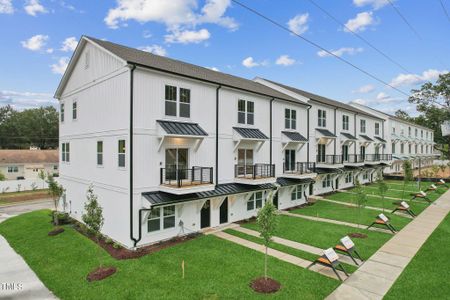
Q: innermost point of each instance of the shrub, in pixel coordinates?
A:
(117, 246)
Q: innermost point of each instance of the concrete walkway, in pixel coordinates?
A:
(335, 222)
(303, 263)
(374, 279)
(296, 245)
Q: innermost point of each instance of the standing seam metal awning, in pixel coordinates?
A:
(348, 136)
(250, 133)
(294, 136)
(283, 181)
(366, 137)
(182, 128)
(326, 133)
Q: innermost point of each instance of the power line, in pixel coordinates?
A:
(445, 10)
(318, 46)
(405, 20)
(360, 37)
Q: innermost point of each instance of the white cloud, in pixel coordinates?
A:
(155, 49)
(6, 7)
(187, 36)
(69, 44)
(49, 50)
(298, 24)
(382, 96)
(33, 7)
(35, 43)
(285, 60)
(376, 4)
(249, 62)
(360, 22)
(61, 66)
(360, 101)
(364, 89)
(341, 51)
(213, 12)
(414, 79)
(24, 100)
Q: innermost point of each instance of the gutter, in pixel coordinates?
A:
(133, 67)
(217, 134)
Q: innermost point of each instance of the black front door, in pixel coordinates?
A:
(337, 183)
(275, 200)
(311, 188)
(224, 211)
(205, 215)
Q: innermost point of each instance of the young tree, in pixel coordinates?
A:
(407, 175)
(93, 214)
(55, 190)
(267, 222)
(360, 198)
(42, 176)
(435, 170)
(382, 186)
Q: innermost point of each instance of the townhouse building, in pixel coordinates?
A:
(172, 148)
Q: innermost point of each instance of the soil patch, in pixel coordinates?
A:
(101, 273)
(56, 231)
(265, 286)
(27, 196)
(357, 235)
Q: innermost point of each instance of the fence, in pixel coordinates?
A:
(11, 186)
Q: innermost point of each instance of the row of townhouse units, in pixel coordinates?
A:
(173, 148)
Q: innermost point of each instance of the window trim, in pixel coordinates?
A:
(177, 100)
(296, 190)
(291, 120)
(65, 154)
(321, 118)
(100, 153)
(361, 122)
(246, 112)
(124, 154)
(74, 110)
(377, 128)
(253, 199)
(161, 218)
(345, 122)
(62, 111)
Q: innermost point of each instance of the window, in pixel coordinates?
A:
(427, 135)
(290, 118)
(393, 129)
(321, 152)
(246, 112)
(366, 175)
(289, 160)
(362, 126)
(345, 122)
(121, 153)
(256, 200)
(345, 152)
(13, 169)
(322, 118)
(86, 59)
(377, 128)
(362, 151)
(348, 177)
(326, 181)
(154, 220)
(185, 103)
(421, 134)
(74, 110)
(296, 193)
(161, 218)
(393, 148)
(402, 148)
(169, 217)
(415, 132)
(409, 131)
(61, 112)
(415, 148)
(421, 149)
(409, 148)
(65, 152)
(55, 167)
(100, 153)
(171, 100)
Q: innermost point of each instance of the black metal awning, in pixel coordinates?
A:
(325, 133)
(348, 136)
(352, 168)
(182, 128)
(250, 133)
(295, 136)
(284, 181)
(380, 139)
(328, 170)
(162, 198)
(366, 137)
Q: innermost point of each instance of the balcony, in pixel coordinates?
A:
(254, 174)
(386, 157)
(299, 170)
(186, 181)
(329, 161)
(372, 158)
(353, 159)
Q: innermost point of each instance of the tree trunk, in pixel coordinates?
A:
(265, 265)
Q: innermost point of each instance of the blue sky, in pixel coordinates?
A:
(38, 37)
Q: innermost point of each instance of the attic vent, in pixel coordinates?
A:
(86, 59)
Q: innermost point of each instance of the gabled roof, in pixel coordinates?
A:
(17, 156)
(251, 133)
(182, 128)
(176, 67)
(294, 136)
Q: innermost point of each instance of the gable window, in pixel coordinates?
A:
(61, 112)
(246, 112)
(74, 110)
(65, 152)
(290, 118)
(121, 154)
(185, 103)
(362, 126)
(100, 153)
(255, 201)
(345, 122)
(322, 118)
(171, 100)
(161, 218)
(377, 128)
(13, 169)
(296, 193)
(326, 183)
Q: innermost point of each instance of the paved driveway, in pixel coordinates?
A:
(17, 209)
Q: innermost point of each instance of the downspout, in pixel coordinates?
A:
(135, 241)
(335, 131)
(217, 134)
(354, 132)
(307, 134)
(271, 127)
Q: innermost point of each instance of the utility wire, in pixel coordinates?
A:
(359, 36)
(445, 10)
(404, 19)
(318, 46)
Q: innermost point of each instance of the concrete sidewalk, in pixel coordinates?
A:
(374, 279)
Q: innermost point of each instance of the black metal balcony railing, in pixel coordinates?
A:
(255, 171)
(329, 159)
(299, 168)
(353, 158)
(386, 157)
(373, 157)
(185, 177)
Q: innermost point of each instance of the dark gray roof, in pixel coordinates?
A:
(182, 128)
(351, 168)
(324, 100)
(251, 133)
(328, 170)
(366, 137)
(295, 136)
(380, 139)
(348, 136)
(325, 132)
(161, 198)
(283, 181)
(160, 63)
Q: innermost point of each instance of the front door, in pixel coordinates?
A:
(321, 153)
(205, 215)
(337, 183)
(311, 188)
(363, 152)
(289, 160)
(224, 211)
(275, 200)
(245, 162)
(345, 152)
(176, 163)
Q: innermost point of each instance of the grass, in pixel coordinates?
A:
(215, 268)
(325, 235)
(349, 214)
(427, 276)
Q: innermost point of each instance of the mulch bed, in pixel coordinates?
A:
(56, 231)
(357, 235)
(265, 286)
(101, 273)
(123, 253)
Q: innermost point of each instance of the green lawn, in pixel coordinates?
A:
(427, 276)
(324, 235)
(349, 214)
(215, 268)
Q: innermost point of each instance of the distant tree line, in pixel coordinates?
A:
(30, 127)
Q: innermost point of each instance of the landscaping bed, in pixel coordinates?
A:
(14, 197)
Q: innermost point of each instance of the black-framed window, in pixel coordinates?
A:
(171, 100)
(255, 201)
(185, 103)
(290, 118)
(321, 118)
(246, 112)
(65, 152)
(13, 169)
(377, 128)
(345, 122)
(154, 220)
(61, 112)
(74, 110)
(100, 153)
(393, 148)
(402, 148)
(121, 153)
(362, 126)
(169, 217)
(296, 193)
(326, 183)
